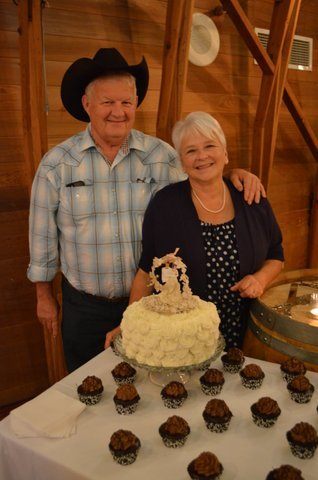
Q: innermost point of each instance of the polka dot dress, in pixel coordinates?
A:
(223, 268)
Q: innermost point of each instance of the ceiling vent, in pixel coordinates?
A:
(301, 52)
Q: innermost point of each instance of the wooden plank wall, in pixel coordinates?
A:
(23, 369)
(228, 89)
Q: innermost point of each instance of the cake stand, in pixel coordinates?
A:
(163, 375)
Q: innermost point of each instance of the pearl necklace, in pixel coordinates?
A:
(207, 209)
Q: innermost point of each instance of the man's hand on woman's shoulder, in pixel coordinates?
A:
(250, 183)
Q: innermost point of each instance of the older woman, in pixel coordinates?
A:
(232, 250)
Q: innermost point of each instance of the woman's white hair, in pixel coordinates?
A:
(197, 122)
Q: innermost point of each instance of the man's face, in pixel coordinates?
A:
(111, 105)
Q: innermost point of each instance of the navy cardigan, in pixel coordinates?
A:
(171, 221)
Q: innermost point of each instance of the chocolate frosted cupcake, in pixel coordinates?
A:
(124, 373)
(285, 472)
(174, 394)
(300, 389)
(233, 360)
(217, 415)
(126, 399)
(252, 376)
(124, 447)
(174, 432)
(90, 391)
(303, 440)
(205, 467)
(291, 368)
(212, 381)
(265, 412)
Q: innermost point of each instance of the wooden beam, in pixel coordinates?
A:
(175, 65)
(313, 231)
(35, 129)
(244, 27)
(282, 30)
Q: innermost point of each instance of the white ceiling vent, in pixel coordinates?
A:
(301, 52)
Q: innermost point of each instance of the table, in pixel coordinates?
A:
(246, 451)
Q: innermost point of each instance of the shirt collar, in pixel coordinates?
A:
(133, 141)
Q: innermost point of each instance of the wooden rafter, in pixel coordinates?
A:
(35, 130)
(282, 30)
(244, 27)
(175, 65)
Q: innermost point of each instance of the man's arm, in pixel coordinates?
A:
(47, 307)
(140, 288)
(43, 243)
(250, 183)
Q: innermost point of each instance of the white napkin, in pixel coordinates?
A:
(52, 414)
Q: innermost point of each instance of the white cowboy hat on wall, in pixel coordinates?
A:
(204, 41)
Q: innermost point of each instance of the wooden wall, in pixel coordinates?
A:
(228, 89)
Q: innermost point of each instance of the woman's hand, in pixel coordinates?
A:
(248, 287)
(250, 183)
(110, 336)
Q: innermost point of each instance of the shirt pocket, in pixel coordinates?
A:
(141, 193)
(78, 201)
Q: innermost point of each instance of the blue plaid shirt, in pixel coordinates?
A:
(92, 230)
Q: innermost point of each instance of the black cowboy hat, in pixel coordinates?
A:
(85, 70)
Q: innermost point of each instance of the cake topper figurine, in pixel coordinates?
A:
(174, 292)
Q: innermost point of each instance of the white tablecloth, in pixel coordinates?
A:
(246, 451)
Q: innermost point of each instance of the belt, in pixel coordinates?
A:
(105, 299)
(96, 297)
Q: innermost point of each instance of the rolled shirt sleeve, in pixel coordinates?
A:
(43, 230)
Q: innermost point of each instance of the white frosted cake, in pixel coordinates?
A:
(172, 328)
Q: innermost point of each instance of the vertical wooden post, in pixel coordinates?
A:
(313, 230)
(35, 129)
(175, 65)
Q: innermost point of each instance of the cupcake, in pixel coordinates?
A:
(252, 376)
(285, 472)
(205, 467)
(124, 373)
(90, 391)
(174, 431)
(291, 368)
(300, 389)
(124, 447)
(212, 381)
(303, 440)
(174, 394)
(126, 399)
(217, 415)
(265, 412)
(233, 360)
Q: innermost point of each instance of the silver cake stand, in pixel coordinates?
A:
(163, 375)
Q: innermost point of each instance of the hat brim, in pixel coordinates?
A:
(204, 41)
(85, 70)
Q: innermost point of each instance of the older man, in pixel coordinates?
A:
(88, 200)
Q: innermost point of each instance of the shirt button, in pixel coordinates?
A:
(114, 213)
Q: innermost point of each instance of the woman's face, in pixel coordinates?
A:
(202, 159)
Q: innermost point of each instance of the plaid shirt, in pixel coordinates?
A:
(92, 230)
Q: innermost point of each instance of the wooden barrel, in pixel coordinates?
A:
(281, 325)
